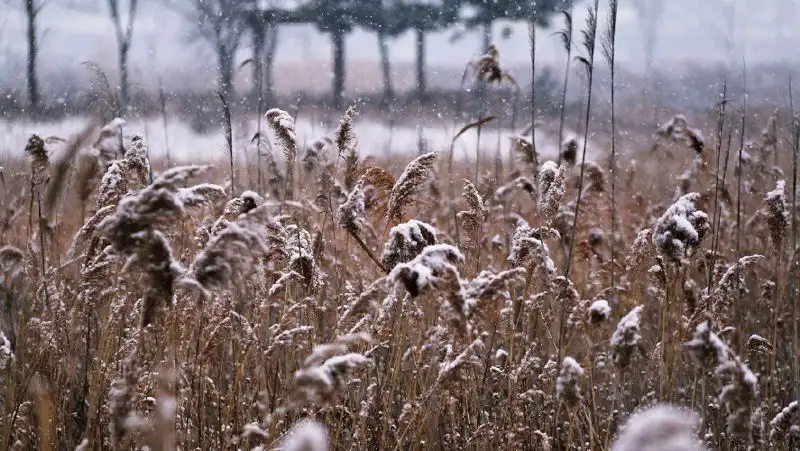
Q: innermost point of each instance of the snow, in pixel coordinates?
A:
(659, 428)
(600, 309)
(375, 138)
(307, 435)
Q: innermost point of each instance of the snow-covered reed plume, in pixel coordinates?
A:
(282, 125)
(528, 249)
(681, 228)
(780, 424)
(247, 201)
(471, 220)
(326, 372)
(487, 67)
(406, 241)
(641, 254)
(409, 184)
(121, 398)
(307, 435)
(6, 353)
(550, 190)
(39, 160)
(739, 395)
(660, 428)
(11, 265)
(777, 213)
(432, 264)
(158, 205)
(568, 387)
(129, 173)
(352, 211)
(626, 338)
(730, 285)
(234, 248)
(599, 311)
(318, 153)
(677, 130)
(525, 152)
(134, 232)
(347, 145)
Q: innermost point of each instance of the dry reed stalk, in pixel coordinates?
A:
(282, 125)
(408, 184)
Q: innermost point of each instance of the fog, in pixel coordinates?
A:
(165, 45)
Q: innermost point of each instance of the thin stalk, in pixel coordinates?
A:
(589, 42)
(259, 114)
(793, 279)
(589, 35)
(41, 249)
(609, 51)
(720, 131)
(737, 299)
(532, 32)
(228, 130)
(566, 39)
(163, 103)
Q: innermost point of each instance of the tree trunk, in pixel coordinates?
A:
(124, 94)
(257, 91)
(487, 36)
(421, 80)
(338, 68)
(32, 78)
(271, 47)
(386, 68)
(225, 68)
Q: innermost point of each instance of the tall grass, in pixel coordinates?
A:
(189, 312)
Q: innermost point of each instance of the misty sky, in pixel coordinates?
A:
(691, 31)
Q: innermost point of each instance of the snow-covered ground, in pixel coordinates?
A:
(375, 138)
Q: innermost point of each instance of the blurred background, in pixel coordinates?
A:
(61, 57)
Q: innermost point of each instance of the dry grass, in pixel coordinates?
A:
(351, 305)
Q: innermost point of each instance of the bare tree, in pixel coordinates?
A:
(218, 22)
(263, 19)
(32, 10)
(265, 42)
(650, 13)
(123, 27)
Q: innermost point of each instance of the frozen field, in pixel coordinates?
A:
(375, 138)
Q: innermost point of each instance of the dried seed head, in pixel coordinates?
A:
(471, 221)
(551, 190)
(40, 161)
(409, 183)
(626, 337)
(569, 151)
(776, 213)
(433, 263)
(779, 426)
(525, 151)
(528, 249)
(641, 253)
(659, 428)
(680, 228)
(307, 435)
(347, 144)
(568, 387)
(487, 67)
(352, 211)
(406, 241)
(599, 311)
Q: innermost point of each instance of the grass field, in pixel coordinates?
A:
(348, 288)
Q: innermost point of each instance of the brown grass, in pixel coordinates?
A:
(156, 313)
